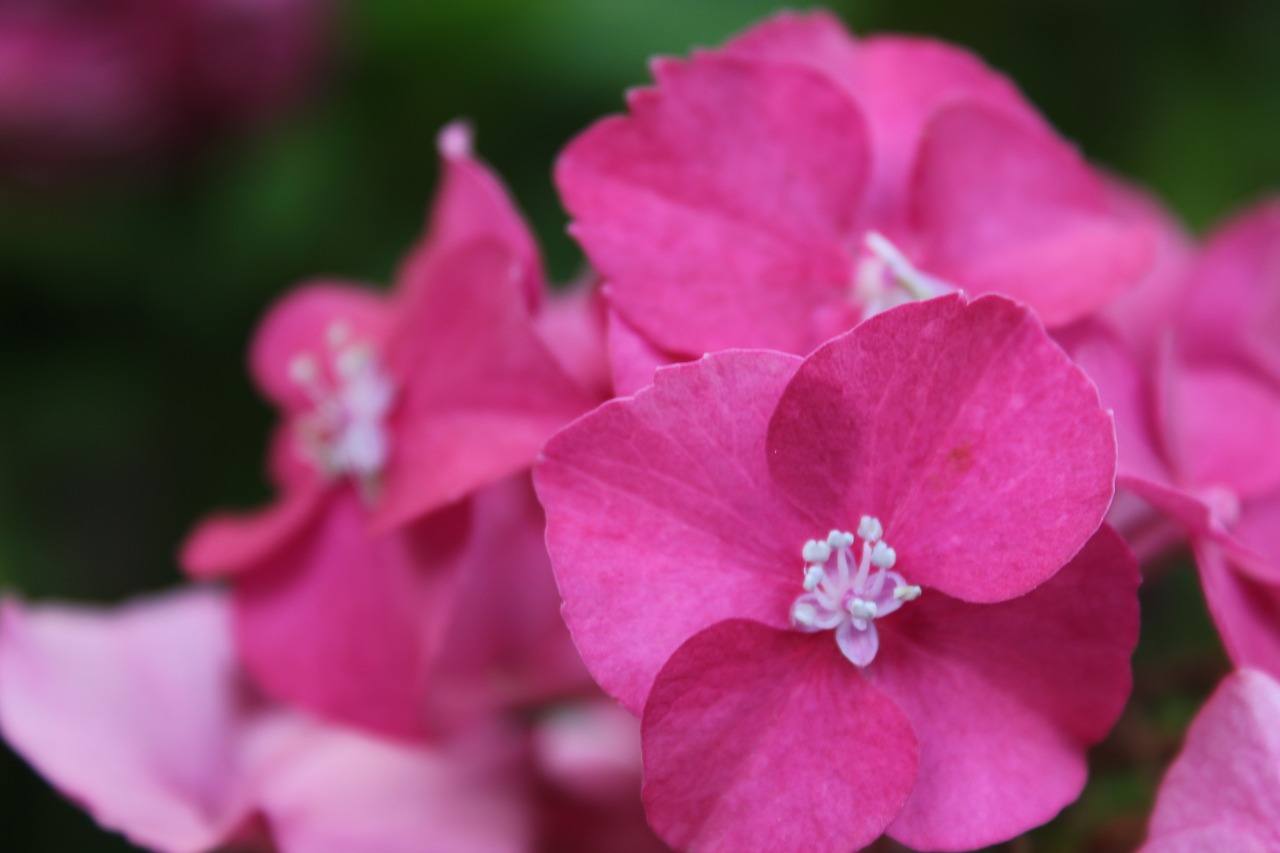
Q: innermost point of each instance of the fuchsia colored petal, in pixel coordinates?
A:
(344, 623)
(632, 359)
(1258, 530)
(229, 543)
(1004, 208)
(1245, 608)
(662, 518)
(718, 209)
(961, 426)
(481, 393)
(572, 324)
(1233, 304)
(330, 790)
(299, 324)
(1223, 791)
(1006, 697)
(760, 740)
(130, 713)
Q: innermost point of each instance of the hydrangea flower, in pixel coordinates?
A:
(773, 192)
(849, 584)
(394, 410)
(143, 717)
(1223, 791)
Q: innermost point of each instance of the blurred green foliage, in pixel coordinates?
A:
(125, 305)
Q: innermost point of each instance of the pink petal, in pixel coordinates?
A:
(346, 623)
(1003, 208)
(572, 325)
(1258, 529)
(471, 204)
(662, 518)
(229, 543)
(331, 790)
(632, 359)
(481, 393)
(133, 713)
(1005, 698)
(761, 740)
(298, 325)
(719, 209)
(961, 426)
(1223, 791)
(1245, 609)
(591, 749)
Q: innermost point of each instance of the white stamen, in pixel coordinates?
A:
(813, 576)
(883, 557)
(869, 528)
(816, 551)
(837, 540)
(906, 593)
(862, 609)
(804, 614)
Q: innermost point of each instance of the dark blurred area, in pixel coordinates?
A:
(168, 168)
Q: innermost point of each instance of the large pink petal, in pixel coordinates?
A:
(229, 543)
(757, 739)
(299, 324)
(1245, 609)
(1003, 208)
(719, 209)
(1233, 305)
(662, 518)
(347, 622)
(481, 392)
(330, 790)
(1005, 698)
(960, 425)
(134, 713)
(1223, 791)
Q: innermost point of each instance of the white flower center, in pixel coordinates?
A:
(846, 599)
(344, 433)
(884, 278)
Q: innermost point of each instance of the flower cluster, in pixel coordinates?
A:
(845, 456)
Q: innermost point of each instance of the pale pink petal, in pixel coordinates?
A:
(1245, 609)
(1003, 208)
(1223, 791)
(330, 790)
(572, 324)
(632, 359)
(481, 392)
(762, 740)
(591, 749)
(134, 713)
(662, 518)
(347, 622)
(299, 325)
(1258, 530)
(229, 543)
(719, 210)
(1005, 698)
(960, 425)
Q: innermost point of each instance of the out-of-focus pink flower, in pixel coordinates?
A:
(373, 573)
(773, 192)
(84, 83)
(1223, 791)
(873, 676)
(142, 716)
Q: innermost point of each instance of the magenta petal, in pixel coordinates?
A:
(481, 392)
(965, 430)
(346, 622)
(332, 790)
(132, 713)
(1004, 208)
(299, 325)
(228, 543)
(719, 209)
(632, 359)
(1258, 529)
(1006, 697)
(1245, 609)
(762, 740)
(572, 324)
(662, 518)
(1223, 791)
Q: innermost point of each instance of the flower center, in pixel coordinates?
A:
(849, 597)
(344, 433)
(884, 278)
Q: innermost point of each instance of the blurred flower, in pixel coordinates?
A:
(1223, 792)
(84, 84)
(814, 694)
(773, 192)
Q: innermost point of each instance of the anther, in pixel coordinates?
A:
(816, 551)
(906, 592)
(813, 576)
(883, 557)
(869, 528)
(860, 608)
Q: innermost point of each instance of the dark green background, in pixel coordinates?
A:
(125, 305)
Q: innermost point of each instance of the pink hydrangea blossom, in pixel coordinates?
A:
(1223, 791)
(399, 542)
(772, 192)
(873, 677)
(142, 716)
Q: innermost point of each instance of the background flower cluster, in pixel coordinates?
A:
(267, 212)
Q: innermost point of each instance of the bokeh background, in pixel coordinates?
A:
(130, 285)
